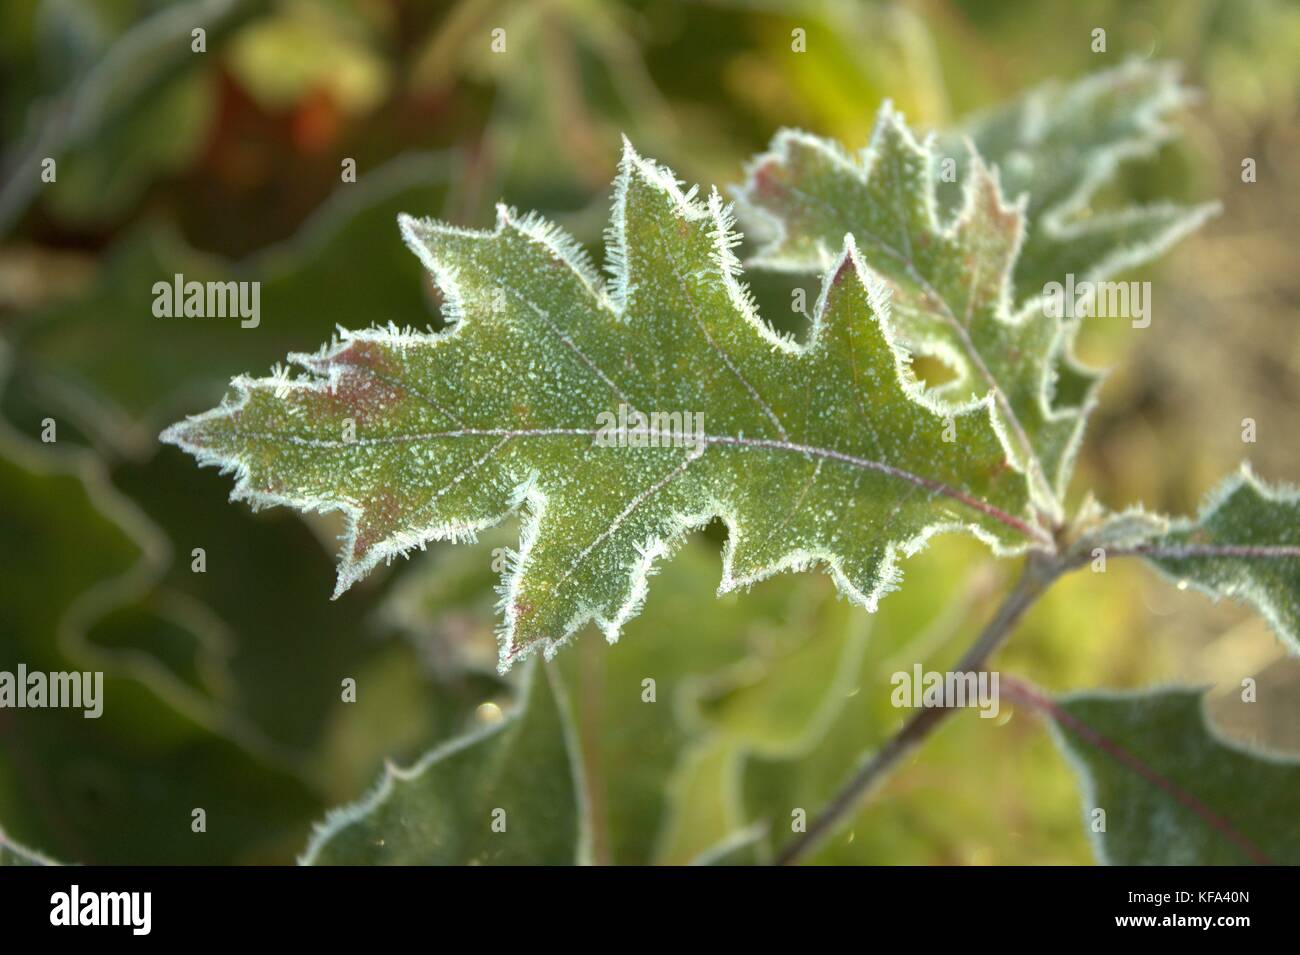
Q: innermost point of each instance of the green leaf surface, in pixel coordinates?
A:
(949, 284)
(1244, 544)
(816, 454)
(508, 795)
(953, 259)
(1173, 791)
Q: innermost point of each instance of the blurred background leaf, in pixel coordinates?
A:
(1197, 801)
(508, 794)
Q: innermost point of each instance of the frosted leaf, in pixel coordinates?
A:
(1097, 527)
(1244, 544)
(1058, 145)
(965, 266)
(823, 453)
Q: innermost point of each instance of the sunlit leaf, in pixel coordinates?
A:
(616, 419)
(953, 260)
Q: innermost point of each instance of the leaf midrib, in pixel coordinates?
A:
(1023, 527)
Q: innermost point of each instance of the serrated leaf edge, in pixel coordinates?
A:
(888, 119)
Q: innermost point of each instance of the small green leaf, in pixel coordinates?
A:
(508, 795)
(966, 280)
(949, 284)
(1245, 544)
(1172, 791)
(1115, 530)
(821, 453)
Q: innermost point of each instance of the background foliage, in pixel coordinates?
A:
(225, 685)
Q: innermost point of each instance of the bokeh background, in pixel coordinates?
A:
(223, 686)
